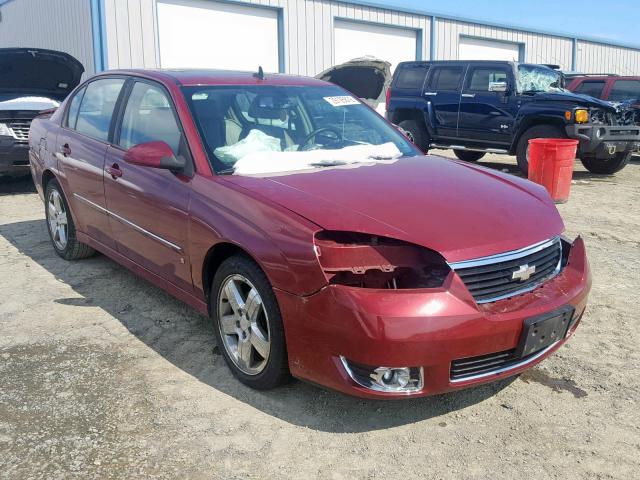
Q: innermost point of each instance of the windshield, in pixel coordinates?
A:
(263, 129)
(534, 79)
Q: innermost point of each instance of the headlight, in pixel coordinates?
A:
(5, 130)
(370, 261)
(581, 116)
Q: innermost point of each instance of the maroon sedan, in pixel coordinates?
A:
(321, 243)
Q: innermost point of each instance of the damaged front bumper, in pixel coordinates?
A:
(604, 141)
(427, 331)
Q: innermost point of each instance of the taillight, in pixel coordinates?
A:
(388, 98)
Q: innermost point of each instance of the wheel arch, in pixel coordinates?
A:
(527, 124)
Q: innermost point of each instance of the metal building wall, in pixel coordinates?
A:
(63, 25)
(538, 48)
(600, 58)
(308, 31)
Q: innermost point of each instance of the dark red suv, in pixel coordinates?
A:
(613, 88)
(321, 243)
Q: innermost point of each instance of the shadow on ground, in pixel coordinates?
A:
(185, 339)
(13, 185)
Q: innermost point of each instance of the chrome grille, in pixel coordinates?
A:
(501, 276)
(468, 367)
(20, 129)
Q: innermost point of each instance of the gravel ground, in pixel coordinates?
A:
(104, 376)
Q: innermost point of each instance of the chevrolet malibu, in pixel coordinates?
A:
(321, 243)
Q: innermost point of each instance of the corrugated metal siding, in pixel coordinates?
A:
(537, 48)
(63, 25)
(600, 58)
(308, 31)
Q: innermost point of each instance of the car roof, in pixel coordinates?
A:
(201, 77)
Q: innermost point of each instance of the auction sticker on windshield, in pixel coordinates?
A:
(342, 101)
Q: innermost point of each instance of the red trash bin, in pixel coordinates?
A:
(551, 165)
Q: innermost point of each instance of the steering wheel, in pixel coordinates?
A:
(306, 140)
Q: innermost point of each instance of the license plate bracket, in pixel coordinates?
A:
(541, 331)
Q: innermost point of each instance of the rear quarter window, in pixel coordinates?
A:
(411, 77)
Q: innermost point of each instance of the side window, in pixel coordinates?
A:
(446, 78)
(411, 77)
(96, 108)
(74, 108)
(482, 77)
(625, 90)
(148, 117)
(593, 88)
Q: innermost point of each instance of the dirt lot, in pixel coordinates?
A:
(104, 376)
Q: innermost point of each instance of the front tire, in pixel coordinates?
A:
(248, 325)
(416, 133)
(607, 167)
(468, 155)
(538, 131)
(62, 230)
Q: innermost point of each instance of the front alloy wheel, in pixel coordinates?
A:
(248, 324)
(244, 325)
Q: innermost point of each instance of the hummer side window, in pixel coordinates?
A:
(482, 77)
(446, 78)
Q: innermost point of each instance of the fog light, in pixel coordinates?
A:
(385, 379)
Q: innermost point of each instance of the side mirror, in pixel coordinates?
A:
(502, 87)
(154, 155)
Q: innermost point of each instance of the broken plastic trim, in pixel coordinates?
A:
(371, 261)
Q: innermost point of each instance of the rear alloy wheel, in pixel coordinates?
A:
(538, 131)
(608, 166)
(61, 228)
(248, 325)
(468, 155)
(415, 131)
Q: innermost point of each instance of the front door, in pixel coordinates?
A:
(487, 117)
(81, 147)
(442, 95)
(148, 207)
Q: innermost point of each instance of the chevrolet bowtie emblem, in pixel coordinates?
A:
(523, 273)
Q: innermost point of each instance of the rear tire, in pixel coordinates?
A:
(538, 131)
(607, 167)
(62, 230)
(468, 155)
(248, 325)
(416, 133)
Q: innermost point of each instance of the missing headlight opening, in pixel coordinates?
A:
(370, 261)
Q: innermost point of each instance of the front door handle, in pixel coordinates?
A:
(65, 150)
(430, 94)
(469, 95)
(114, 171)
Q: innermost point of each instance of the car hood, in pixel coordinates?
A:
(460, 210)
(577, 98)
(365, 77)
(38, 72)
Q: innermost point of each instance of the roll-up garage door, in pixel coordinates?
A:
(354, 39)
(206, 34)
(482, 49)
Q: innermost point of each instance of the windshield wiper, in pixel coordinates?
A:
(226, 171)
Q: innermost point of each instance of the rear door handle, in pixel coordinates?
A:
(430, 94)
(114, 171)
(469, 95)
(65, 150)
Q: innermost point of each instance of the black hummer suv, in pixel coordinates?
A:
(476, 107)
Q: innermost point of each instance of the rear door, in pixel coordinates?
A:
(81, 146)
(487, 117)
(442, 100)
(148, 207)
